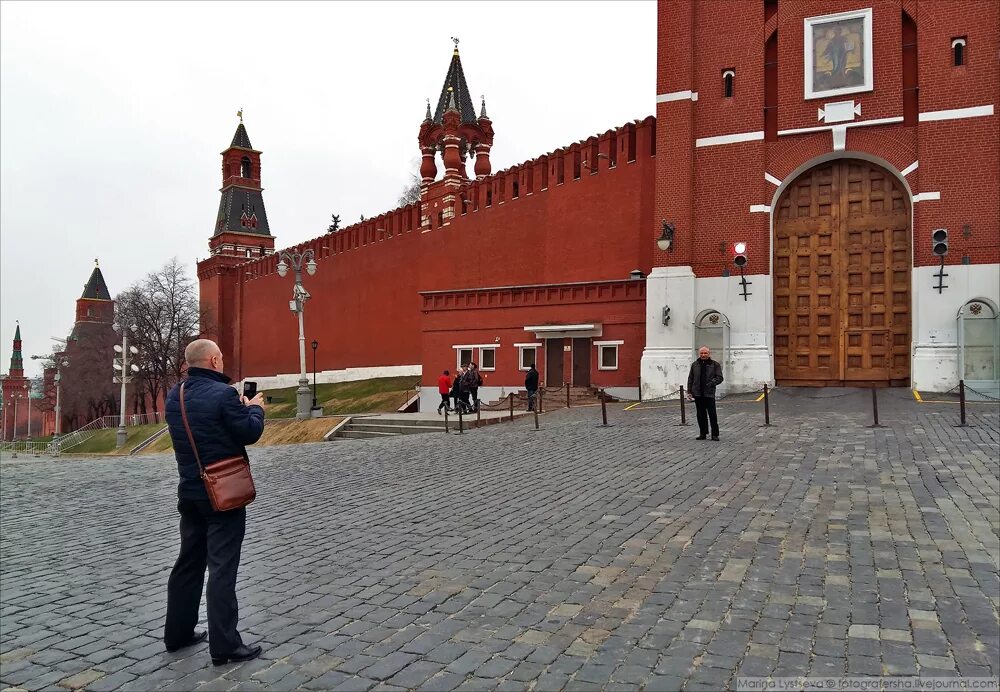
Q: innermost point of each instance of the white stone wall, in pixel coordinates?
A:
(935, 323)
(334, 376)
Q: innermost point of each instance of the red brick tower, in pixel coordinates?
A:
(241, 233)
(94, 305)
(13, 387)
(456, 132)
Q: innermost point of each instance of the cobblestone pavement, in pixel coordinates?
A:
(578, 556)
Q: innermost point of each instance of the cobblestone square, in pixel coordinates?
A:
(576, 556)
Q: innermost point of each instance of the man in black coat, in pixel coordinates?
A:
(222, 422)
(531, 385)
(705, 376)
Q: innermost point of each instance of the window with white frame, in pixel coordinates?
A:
(466, 353)
(527, 354)
(607, 354)
(488, 358)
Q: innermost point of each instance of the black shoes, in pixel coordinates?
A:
(196, 638)
(244, 653)
(715, 438)
(701, 437)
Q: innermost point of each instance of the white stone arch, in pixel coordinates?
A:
(788, 180)
(704, 326)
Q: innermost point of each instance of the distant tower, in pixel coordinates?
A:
(12, 386)
(455, 130)
(241, 228)
(95, 304)
(241, 234)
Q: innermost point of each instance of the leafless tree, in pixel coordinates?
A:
(411, 193)
(164, 307)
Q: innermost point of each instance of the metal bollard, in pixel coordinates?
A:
(604, 408)
(536, 418)
(479, 415)
(538, 407)
(511, 398)
(875, 409)
(961, 402)
(567, 395)
(683, 414)
(446, 420)
(767, 409)
(460, 429)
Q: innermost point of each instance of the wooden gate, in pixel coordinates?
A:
(842, 278)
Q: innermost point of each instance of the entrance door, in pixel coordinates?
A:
(581, 362)
(553, 362)
(842, 278)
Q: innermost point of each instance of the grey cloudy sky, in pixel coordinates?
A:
(112, 117)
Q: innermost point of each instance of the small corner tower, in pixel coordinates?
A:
(241, 228)
(455, 130)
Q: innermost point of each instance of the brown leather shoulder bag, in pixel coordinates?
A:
(227, 481)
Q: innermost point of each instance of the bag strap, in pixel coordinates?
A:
(187, 428)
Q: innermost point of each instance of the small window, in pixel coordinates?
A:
(516, 191)
(245, 167)
(489, 196)
(440, 218)
(487, 359)
(958, 51)
(464, 356)
(728, 79)
(527, 355)
(607, 357)
(249, 252)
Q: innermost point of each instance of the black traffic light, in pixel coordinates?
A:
(939, 242)
(740, 254)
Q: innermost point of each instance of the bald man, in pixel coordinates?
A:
(222, 424)
(705, 376)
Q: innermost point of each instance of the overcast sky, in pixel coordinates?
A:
(113, 115)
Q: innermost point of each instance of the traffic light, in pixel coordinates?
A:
(666, 316)
(939, 242)
(740, 256)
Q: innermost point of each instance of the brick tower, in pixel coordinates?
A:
(241, 233)
(13, 387)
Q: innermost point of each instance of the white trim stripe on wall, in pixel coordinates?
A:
(926, 196)
(771, 179)
(677, 96)
(760, 208)
(956, 113)
(909, 169)
(729, 139)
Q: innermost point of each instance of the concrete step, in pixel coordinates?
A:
(363, 434)
(394, 428)
(401, 421)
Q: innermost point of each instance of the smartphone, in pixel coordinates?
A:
(249, 389)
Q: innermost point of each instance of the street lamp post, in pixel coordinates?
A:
(315, 345)
(125, 378)
(60, 363)
(16, 398)
(299, 296)
(27, 393)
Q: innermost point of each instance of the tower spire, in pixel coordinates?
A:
(16, 360)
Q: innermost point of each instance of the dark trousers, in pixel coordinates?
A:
(445, 401)
(532, 398)
(474, 391)
(706, 412)
(208, 539)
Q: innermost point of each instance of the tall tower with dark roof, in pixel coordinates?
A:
(95, 304)
(16, 359)
(241, 228)
(455, 130)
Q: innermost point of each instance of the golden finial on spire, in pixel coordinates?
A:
(96, 263)
(455, 39)
(239, 114)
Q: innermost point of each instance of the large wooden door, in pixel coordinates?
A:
(842, 278)
(581, 362)
(553, 362)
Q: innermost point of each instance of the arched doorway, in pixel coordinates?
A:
(842, 277)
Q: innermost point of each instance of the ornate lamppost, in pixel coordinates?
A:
(299, 296)
(121, 364)
(315, 345)
(16, 398)
(27, 393)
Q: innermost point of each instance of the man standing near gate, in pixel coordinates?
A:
(705, 376)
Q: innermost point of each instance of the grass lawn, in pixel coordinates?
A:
(276, 432)
(103, 441)
(382, 395)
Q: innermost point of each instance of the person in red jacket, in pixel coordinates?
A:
(444, 389)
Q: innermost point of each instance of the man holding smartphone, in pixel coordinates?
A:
(222, 424)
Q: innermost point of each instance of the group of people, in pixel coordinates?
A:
(463, 390)
(212, 415)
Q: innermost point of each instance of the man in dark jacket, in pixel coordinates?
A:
(531, 384)
(705, 376)
(222, 422)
